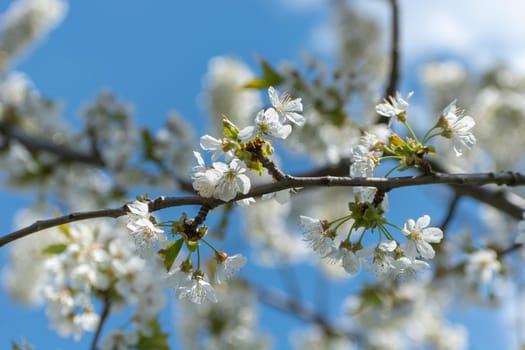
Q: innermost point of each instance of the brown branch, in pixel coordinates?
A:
(103, 317)
(450, 212)
(291, 305)
(37, 144)
(157, 204)
(394, 52)
(383, 184)
(393, 79)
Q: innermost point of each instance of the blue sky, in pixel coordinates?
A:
(156, 55)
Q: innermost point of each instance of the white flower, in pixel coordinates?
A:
(232, 180)
(227, 267)
(25, 21)
(316, 237)
(352, 261)
(204, 180)
(144, 233)
(281, 197)
(119, 340)
(409, 267)
(456, 126)
(286, 107)
(419, 238)
(139, 208)
(482, 266)
(384, 267)
(363, 162)
(198, 291)
(245, 202)
(267, 123)
(367, 194)
(394, 107)
(210, 143)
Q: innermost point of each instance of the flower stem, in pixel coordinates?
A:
(405, 123)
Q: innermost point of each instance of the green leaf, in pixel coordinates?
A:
(156, 341)
(149, 145)
(54, 249)
(270, 77)
(171, 252)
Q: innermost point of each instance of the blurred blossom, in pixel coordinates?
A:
(482, 266)
(228, 325)
(94, 258)
(267, 227)
(314, 338)
(223, 92)
(110, 128)
(24, 276)
(26, 21)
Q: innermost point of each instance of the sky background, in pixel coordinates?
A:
(155, 56)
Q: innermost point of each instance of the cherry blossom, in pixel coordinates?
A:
(288, 109)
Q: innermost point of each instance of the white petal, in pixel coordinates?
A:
(247, 133)
(243, 182)
(210, 143)
(422, 222)
(295, 118)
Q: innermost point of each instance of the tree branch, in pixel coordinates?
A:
(384, 184)
(393, 79)
(394, 51)
(291, 305)
(103, 317)
(37, 144)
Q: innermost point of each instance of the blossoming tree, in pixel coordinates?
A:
(109, 252)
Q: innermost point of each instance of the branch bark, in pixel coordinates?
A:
(36, 144)
(290, 182)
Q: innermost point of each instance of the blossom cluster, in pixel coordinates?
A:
(98, 261)
(189, 283)
(371, 150)
(242, 148)
(388, 259)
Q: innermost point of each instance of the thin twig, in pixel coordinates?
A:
(394, 51)
(290, 305)
(450, 213)
(391, 87)
(103, 317)
(383, 184)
